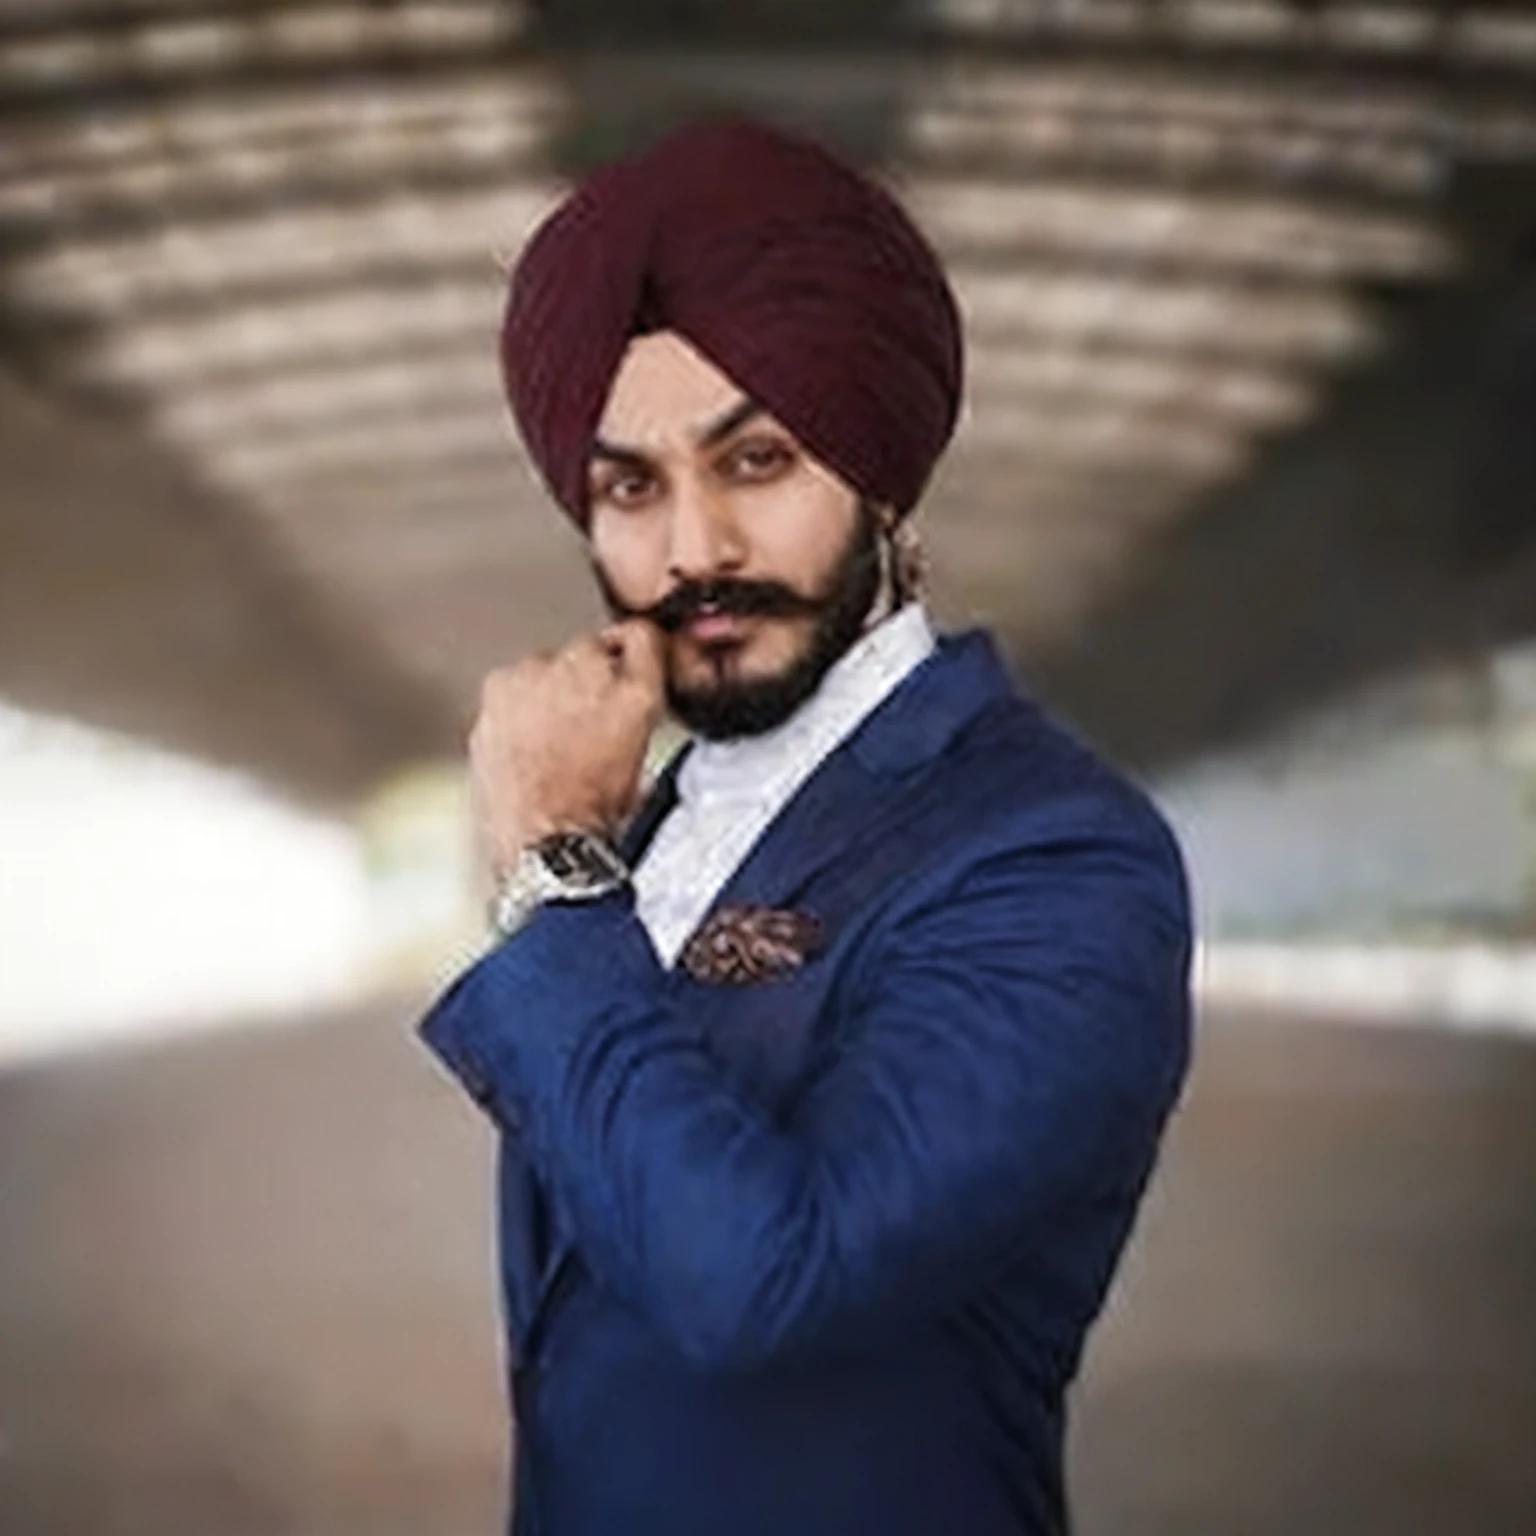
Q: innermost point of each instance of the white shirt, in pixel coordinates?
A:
(730, 791)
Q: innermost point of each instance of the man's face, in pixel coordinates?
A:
(757, 562)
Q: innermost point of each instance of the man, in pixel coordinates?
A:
(827, 1097)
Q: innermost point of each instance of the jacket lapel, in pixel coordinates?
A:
(842, 804)
(658, 805)
(856, 789)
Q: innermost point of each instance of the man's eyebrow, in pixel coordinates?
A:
(722, 426)
(616, 455)
(736, 417)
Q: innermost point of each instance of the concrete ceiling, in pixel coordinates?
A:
(251, 263)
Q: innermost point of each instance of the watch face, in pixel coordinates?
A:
(580, 859)
(566, 856)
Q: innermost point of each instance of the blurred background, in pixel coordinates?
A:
(1246, 485)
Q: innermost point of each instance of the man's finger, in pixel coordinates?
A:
(588, 659)
(638, 648)
(613, 649)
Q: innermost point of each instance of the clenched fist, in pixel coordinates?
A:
(560, 740)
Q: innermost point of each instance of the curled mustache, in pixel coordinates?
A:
(690, 600)
(743, 597)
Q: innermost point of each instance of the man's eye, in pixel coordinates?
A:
(625, 490)
(759, 460)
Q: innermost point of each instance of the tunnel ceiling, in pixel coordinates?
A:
(267, 242)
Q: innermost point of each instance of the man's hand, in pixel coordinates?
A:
(561, 739)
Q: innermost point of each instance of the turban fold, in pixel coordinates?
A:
(799, 278)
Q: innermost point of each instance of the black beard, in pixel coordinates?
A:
(731, 708)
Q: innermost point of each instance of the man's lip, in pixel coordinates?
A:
(714, 626)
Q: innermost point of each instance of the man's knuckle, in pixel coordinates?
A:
(497, 683)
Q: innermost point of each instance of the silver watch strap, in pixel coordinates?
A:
(533, 881)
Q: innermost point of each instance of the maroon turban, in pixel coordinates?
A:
(800, 279)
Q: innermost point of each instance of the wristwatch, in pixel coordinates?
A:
(565, 866)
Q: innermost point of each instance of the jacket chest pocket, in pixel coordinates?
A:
(766, 1034)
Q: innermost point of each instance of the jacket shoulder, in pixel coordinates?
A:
(1033, 848)
(1031, 781)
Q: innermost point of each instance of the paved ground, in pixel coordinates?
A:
(244, 1288)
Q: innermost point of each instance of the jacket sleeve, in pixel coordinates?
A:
(1013, 1045)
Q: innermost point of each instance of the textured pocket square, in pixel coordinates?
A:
(744, 943)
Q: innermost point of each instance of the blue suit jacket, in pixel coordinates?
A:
(816, 1256)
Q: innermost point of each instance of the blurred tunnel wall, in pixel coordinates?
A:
(1250, 293)
(1216, 261)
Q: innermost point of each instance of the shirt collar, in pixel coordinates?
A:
(853, 689)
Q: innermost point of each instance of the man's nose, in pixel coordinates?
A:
(706, 539)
